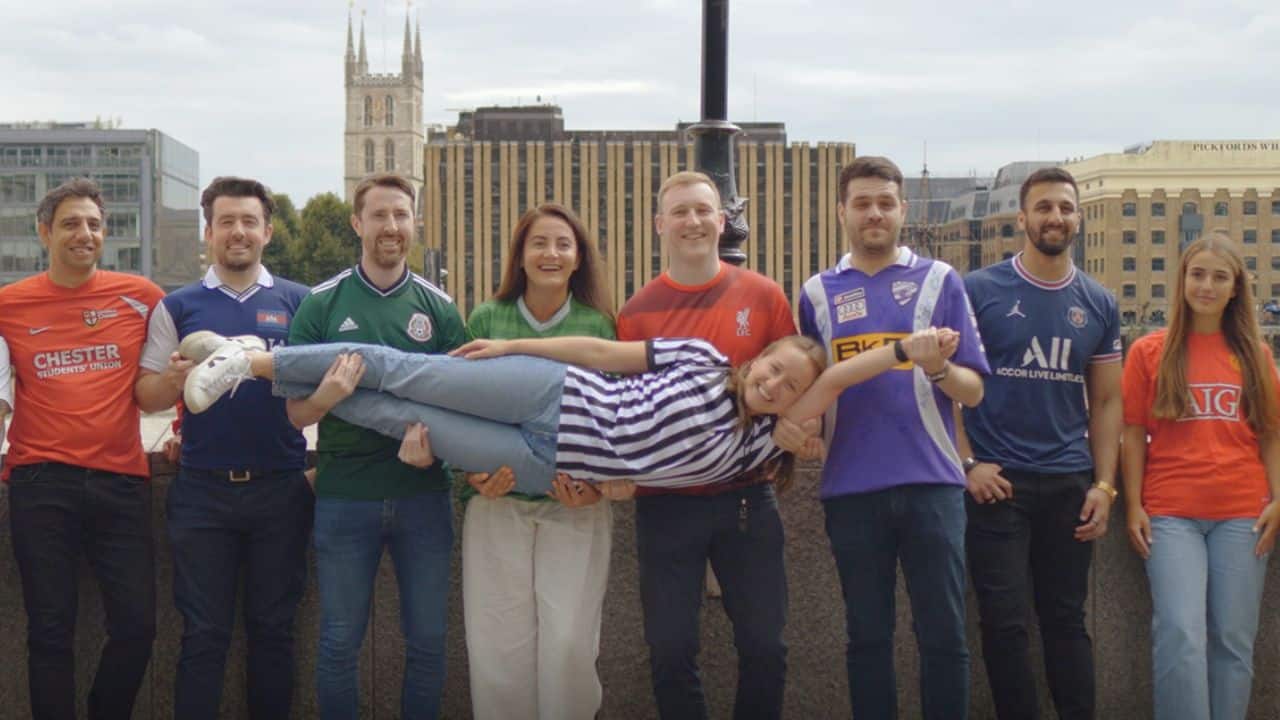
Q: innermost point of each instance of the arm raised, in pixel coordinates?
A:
(594, 353)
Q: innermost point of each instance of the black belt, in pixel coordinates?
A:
(240, 475)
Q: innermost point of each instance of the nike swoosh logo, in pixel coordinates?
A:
(37, 331)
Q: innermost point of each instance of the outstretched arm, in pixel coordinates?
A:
(863, 367)
(595, 353)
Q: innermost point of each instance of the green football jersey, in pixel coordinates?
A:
(414, 316)
(505, 320)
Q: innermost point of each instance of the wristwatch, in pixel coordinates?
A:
(968, 464)
(1107, 488)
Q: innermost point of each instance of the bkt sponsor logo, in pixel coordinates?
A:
(1058, 357)
(1213, 401)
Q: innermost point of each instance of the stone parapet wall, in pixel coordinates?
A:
(1119, 619)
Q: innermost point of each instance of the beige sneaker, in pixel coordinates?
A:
(202, 343)
(221, 372)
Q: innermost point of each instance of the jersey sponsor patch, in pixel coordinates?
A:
(348, 325)
(743, 318)
(419, 327)
(273, 319)
(93, 317)
(846, 347)
(852, 310)
(849, 296)
(904, 290)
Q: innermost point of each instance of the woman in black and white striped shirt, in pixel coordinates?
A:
(674, 413)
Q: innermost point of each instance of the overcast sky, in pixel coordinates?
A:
(255, 86)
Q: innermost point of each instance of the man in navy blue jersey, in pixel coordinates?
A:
(240, 499)
(1040, 452)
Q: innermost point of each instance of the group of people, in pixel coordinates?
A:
(963, 422)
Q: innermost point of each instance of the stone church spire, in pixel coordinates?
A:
(363, 63)
(417, 46)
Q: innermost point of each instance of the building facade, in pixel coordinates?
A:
(1143, 205)
(384, 126)
(149, 181)
(498, 162)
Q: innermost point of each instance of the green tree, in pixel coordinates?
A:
(326, 243)
(281, 255)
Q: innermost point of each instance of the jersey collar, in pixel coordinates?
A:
(387, 292)
(1025, 274)
(551, 322)
(211, 281)
(905, 258)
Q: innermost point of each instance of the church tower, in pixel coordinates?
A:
(384, 130)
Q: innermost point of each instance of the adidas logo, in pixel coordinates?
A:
(348, 325)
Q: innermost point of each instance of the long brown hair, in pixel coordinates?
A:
(1243, 337)
(781, 471)
(586, 284)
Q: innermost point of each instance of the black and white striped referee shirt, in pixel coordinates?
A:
(673, 426)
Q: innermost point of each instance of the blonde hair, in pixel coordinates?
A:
(685, 178)
(1239, 329)
(781, 471)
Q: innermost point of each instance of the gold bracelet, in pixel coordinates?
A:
(1107, 488)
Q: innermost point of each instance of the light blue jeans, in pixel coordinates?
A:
(1206, 590)
(482, 414)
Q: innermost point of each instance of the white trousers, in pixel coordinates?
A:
(533, 583)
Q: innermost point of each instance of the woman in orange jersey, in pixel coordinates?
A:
(1201, 474)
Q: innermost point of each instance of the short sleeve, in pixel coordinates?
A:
(666, 352)
(305, 328)
(478, 325)
(450, 321)
(162, 340)
(1110, 348)
(957, 314)
(1136, 384)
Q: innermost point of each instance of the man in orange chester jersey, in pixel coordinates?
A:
(76, 470)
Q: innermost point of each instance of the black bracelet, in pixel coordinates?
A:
(898, 352)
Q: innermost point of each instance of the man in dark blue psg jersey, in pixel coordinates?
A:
(1040, 452)
(240, 499)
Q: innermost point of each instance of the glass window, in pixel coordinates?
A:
(1220, 209)
(1157, 237)
(118, 187)
(29, 156)
(1190, 208)
(1129, 290)
(1250, 262)
(1157, 209)
(368, 156)
(391, 155)
(1250, 207)
(1157, 290)
(1275, 289)
(122, 224)
(1128, 317)
(17, 188)
(391, 111)
(1130, 237)
(1006, 231)
(1250, 237)
(368, 112)
(1157, 264)
(1275, 262)
(1129, 209)
(1275, 236)
(1130, 264)
(1275, 207)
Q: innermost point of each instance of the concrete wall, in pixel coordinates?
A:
(1119, 617)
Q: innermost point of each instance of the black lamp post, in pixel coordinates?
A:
(713, 135)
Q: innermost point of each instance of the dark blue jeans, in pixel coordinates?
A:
(58, 512)
(350, 536)
(921, 526)
(740, 532)
(217, 528)
(1021, 550)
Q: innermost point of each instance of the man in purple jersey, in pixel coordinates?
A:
(892, 485)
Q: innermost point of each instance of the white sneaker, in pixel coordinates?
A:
(222, 371)
(202, 343)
